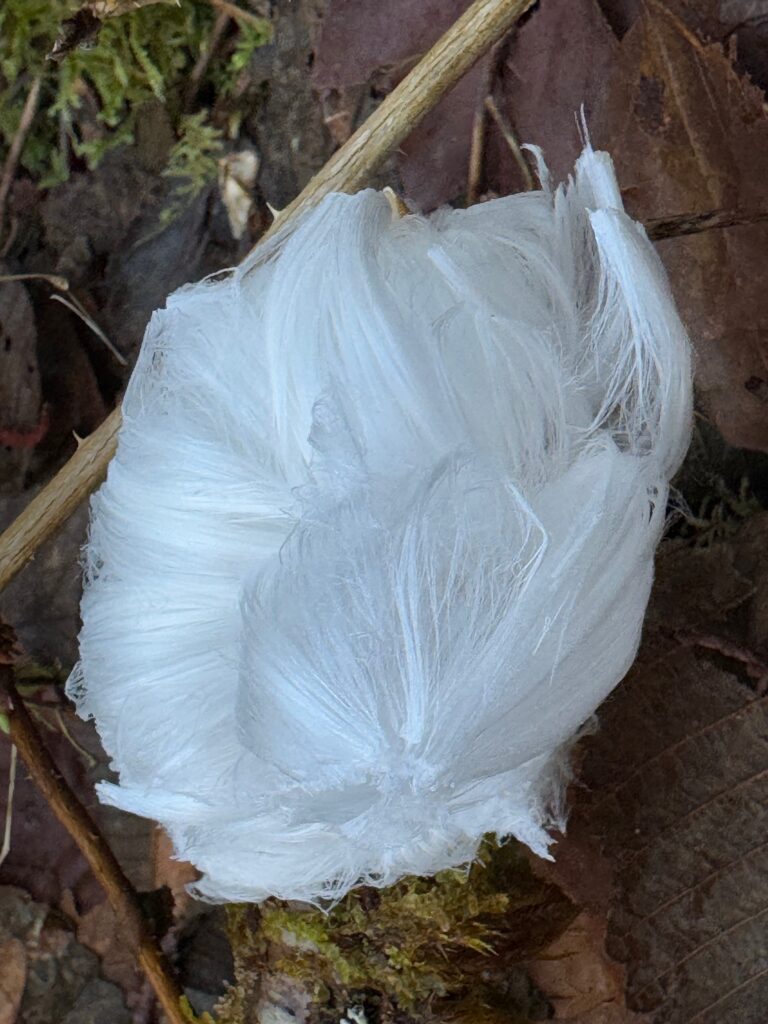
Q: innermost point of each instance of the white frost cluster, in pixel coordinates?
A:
(379, 534)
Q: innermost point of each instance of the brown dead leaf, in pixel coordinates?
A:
(689, 134)
(434, 159)
(674, 794)
(22, 424)
(168, 871)
(43, 859)
(558, 61)
(359, 38)
(13, 976)
(364, 41)
(582, 983)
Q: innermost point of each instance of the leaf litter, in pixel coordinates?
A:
(666, 822)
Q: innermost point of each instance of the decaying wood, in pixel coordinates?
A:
(482, 25)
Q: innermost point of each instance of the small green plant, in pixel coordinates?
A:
(91, 100)
(193, 162)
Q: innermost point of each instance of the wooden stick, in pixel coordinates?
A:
(694, 223)
(201, 64)
(238, 13)
(511, 140)
(483, 24)
(74, 817)
(17, 145)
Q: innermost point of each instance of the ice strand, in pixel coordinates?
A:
(379, 535)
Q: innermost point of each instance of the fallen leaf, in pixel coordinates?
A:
(434, 159)
(43, 602)
(364, 41)
(580, 980)
(43, 859)
(171, 872)
(688, 134)
(359, 38)
(22, 423)
(673, 797)
(558, 60)
(13, 977)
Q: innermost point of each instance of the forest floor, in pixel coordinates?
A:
(151, 152)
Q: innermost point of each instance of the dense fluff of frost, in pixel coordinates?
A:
(379, 534)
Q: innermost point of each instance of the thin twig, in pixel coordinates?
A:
(17, 145)
(201, 64)
(476, 152)
(55, 279)
(238, 13)
(479, 132)
(5, 849)
(511, 140)
(694, 223)
(73, 304)
(136, 930)
(483, 24)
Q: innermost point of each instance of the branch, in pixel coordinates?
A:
(483, 24)
(511, 140)
(17, 145)
(74, 817)
(693, 223)
(475, 32)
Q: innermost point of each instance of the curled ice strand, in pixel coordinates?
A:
(379, 535)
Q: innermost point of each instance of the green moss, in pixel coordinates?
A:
(420, 943)
(192, 162)
(90, 101)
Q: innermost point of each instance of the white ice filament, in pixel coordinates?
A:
(379, 535)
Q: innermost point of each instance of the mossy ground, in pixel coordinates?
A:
(447, 948)
(91, 100)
